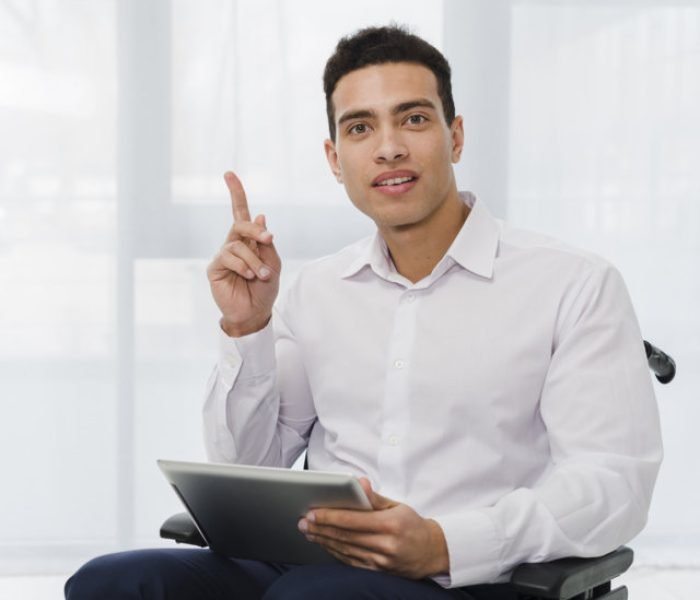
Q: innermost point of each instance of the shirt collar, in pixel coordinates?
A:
(373, 254)
(476, 244)
(474, 248)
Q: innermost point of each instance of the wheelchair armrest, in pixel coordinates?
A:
(181, 528)
(569, 577)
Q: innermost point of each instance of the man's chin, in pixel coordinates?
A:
(397, 223)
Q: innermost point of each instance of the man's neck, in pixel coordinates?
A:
(417, 249)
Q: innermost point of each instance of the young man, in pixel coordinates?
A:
(479, 380)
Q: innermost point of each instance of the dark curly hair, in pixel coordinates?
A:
(378, 45)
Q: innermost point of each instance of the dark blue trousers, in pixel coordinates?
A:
(195, 574)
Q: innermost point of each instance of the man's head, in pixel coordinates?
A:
(393, 149)
(381, 45)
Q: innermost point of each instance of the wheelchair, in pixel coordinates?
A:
(563, 579)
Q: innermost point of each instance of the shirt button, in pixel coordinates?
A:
(399, 364)
(410, 297)
(393, 440)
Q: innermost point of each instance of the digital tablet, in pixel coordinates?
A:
(253, 512)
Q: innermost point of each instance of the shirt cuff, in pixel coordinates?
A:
(248, 356)
(474, 547)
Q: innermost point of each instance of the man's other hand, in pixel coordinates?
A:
(392, 537)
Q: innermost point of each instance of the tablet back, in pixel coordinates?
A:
(253, 512)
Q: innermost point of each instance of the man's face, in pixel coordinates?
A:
(393, 149)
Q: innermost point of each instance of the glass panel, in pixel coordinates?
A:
(57, 299)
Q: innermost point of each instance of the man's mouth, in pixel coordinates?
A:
(394, 181)
(397, 180)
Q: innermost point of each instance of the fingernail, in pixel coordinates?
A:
(265, 236)
(311, 517)
(264, 272)
(249, 274)
(303, 526)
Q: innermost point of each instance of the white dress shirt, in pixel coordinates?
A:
(506, 395)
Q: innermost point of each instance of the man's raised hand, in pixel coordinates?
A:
(244, 274)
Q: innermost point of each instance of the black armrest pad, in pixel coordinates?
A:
(182, 529)
(567, 577)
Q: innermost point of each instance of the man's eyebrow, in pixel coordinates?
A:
(411, 104)
(356, 114)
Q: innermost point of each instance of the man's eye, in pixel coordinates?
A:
(359, 128)
(417, 119)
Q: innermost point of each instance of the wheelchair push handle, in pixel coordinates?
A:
(663, 366)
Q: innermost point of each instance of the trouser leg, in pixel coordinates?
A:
(185, 574)
(170, 574)
(341, 582)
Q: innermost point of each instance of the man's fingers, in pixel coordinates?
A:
(370, 521)
(351, 520)
(239, 250)
(355, 555)
(353, 542)
(239, 202)
(249, 230)
(235, 264)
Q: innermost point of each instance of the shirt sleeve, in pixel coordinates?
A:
(602, 423)
(258, 407)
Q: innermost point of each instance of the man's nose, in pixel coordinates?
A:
(390, 147)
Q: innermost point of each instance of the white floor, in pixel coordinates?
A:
(650, 583)
(644, 583)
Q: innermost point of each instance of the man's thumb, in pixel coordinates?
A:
(377, 501)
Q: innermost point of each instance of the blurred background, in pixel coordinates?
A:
(117, 120)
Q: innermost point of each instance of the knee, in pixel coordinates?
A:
(125, 575)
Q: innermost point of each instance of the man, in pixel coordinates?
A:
(487, 385)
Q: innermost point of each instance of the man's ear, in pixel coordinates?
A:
(332, 157)
(457, 135)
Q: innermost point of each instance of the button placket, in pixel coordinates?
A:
(396, 409)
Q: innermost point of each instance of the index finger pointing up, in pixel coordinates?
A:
(239, 203)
